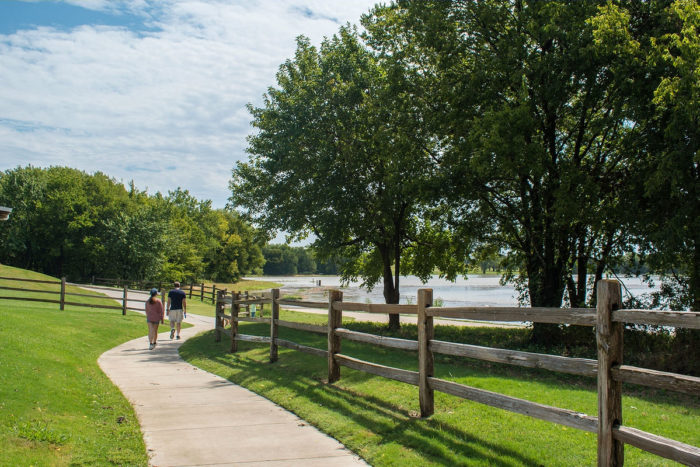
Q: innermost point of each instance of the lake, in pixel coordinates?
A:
(477, 290)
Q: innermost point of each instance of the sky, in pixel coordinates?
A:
(145, 90)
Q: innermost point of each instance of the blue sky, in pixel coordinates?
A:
(18, 15)
(146, 90)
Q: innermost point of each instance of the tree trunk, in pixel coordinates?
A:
(546, 287)
(391, 290)
(581, 274)
(694, 278)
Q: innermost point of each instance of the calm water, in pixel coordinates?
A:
(477, 290)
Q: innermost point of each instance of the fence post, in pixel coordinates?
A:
(335, 320)
(201, 293)
(190, 291)
(274, 316)
(162, 300)
(425, 354)
(213, 292)
(124, 301)
(609, 342)
(218, 322)
(247, 307)
(235, 309)
(62, 303)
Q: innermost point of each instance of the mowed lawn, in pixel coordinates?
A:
(379, 418)
(56, 405)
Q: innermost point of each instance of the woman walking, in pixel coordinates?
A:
(154, 315)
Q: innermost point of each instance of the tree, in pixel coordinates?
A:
(531, 123)
(68, 222)
(133, 246)
(201, 241)
(339, 154)
(305, 261)
(280, 260)
(22, 189)
(237, 251)
(667, 117)
(327, 266)
(58, 218)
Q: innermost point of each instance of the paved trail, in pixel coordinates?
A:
(190, 417)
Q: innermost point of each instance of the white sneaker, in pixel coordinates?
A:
(150, 347)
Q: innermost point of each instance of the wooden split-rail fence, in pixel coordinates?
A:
(608, 319)
(57, 289)
(197, 290)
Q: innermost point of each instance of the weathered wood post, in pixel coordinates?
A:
(609, 341)
(247, 306)
(218, 322)
(124, 300)
(62, 303)
(162, 300)
(213, 292)
(274, 317)
(190, 291)
(235, 309)
(425, 354)
(335, 320)
(201, 293)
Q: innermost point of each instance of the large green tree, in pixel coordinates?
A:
(339, 154)
(531, 125)
(663, 62)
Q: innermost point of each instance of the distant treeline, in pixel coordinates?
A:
(66, 222)
(285, 260)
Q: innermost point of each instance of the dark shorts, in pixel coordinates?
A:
(153, 322)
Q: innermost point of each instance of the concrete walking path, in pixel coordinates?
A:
(190, 417)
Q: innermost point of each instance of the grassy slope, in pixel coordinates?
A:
(56, 405)
(378, 418)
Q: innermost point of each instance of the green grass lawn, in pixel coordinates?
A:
(379, 418)
(56, 405)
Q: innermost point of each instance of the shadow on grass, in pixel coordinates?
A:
(429, 439)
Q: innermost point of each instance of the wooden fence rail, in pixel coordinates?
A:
(608, 369)
(62, 294)
(198, 290)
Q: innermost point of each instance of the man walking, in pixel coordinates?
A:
(177, 309)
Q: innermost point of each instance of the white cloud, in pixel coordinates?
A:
(132, 103)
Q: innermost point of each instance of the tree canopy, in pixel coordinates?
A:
(339, 154)
(664, 63)
(66, 222)
(561, 135)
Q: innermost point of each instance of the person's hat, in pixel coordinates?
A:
(154, 291)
